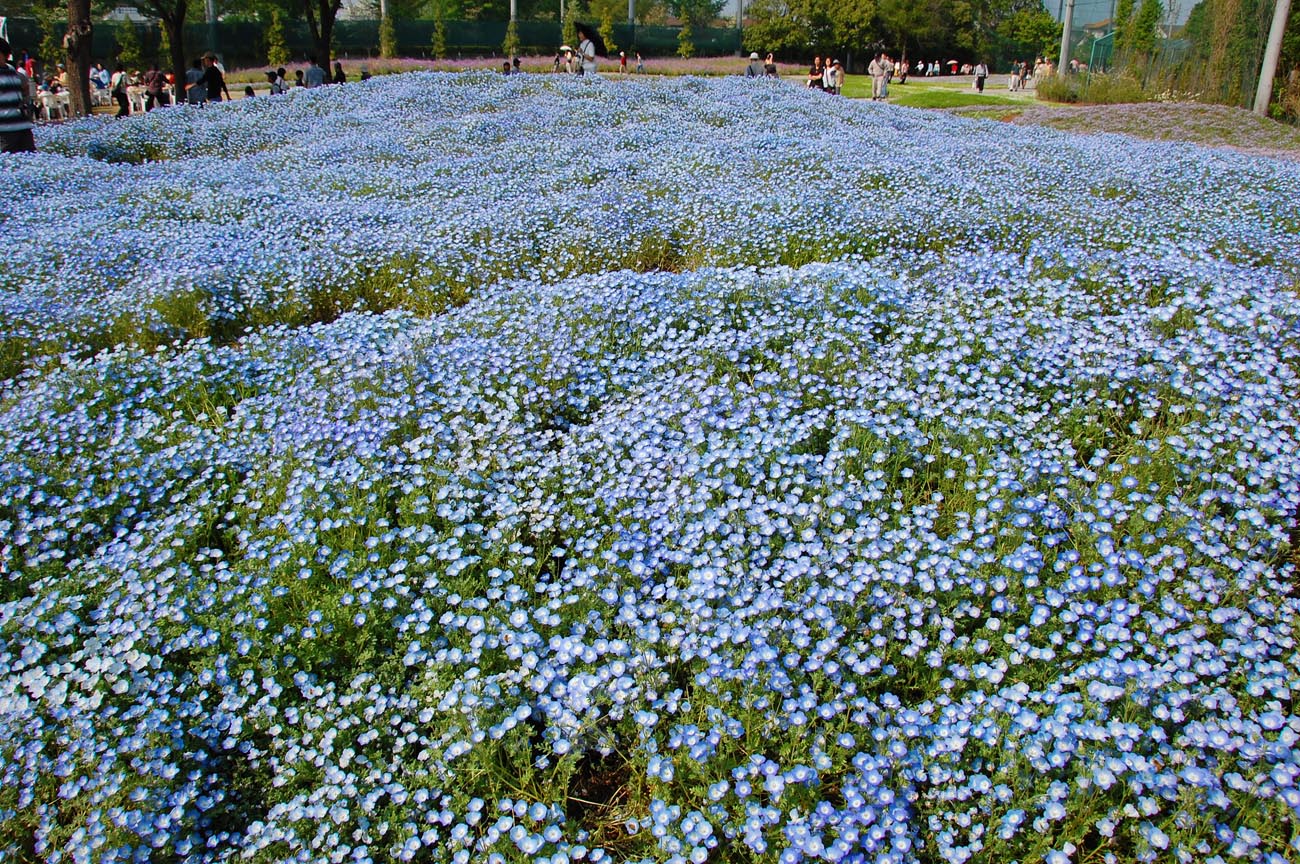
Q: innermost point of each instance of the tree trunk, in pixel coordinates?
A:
(175, 26)
(76, 41)
(320, 21)
(172, 17)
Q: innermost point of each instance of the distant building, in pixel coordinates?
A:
(127, 13)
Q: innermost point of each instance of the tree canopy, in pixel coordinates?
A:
(967, 30)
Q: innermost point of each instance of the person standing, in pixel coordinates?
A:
(755, 68)
(815, 74)
(340, 77)
(981, 73)
(769, 67)
(315, 74)
(15, 121)
(117, 89)
(586, 50)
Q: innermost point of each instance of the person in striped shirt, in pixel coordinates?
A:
(15, 125)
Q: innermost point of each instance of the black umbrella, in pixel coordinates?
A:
(593, 34)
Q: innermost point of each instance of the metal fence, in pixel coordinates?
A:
(1214, 57)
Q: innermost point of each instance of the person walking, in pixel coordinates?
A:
(213, 79)
(876, 69)
(15, 115)
(155, 87)
(981, 73)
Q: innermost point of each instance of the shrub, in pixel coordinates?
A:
(1096, 88)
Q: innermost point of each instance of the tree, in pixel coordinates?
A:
(1122, 26)
(130, 53)
(277, 41)
(607, 30)
(1029, 33)
(171, 14)
(1142, 40)
(698, 13)
(439, 31)
(569, 30)
(510, 48)
(772, 28)
(387, 37)
(321, 15)
(685, 41)
(77, 43)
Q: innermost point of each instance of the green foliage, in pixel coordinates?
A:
(1123, 25)
(769, 29)
(607, 30)
(697, 13)
(1095, 88)
(510, 47)
(130, 51)
(1029, 33)
(439, 33)
(387, 37)
(572, 14)
(1227, 41)
(685, 41)
(277, 41)
(1142, 40)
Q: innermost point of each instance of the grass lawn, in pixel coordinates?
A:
(944, 93)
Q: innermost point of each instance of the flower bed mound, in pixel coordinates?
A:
(952, 528)
(418, 191)
(1211, 125)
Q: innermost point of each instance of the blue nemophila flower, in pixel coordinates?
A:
(600, 514)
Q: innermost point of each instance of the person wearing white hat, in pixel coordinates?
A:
(755, 67)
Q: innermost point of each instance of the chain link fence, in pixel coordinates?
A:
(1215, 55)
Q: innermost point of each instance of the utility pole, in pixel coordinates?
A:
(740, 12)
(1264, 92)
(1067, 22)
(212, 25)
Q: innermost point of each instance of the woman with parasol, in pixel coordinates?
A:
(589, 46)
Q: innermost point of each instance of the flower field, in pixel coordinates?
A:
(460, 468)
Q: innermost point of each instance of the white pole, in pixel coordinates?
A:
(212, 25)
(631, 12)
(1067, 22)
(1264, 92)
(740, 44)
(383, 9)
